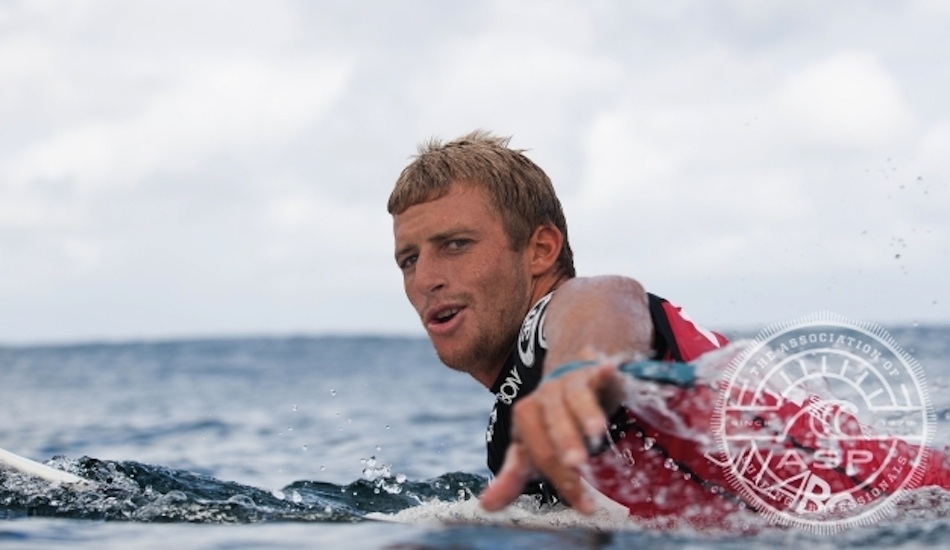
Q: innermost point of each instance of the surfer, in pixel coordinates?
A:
(482, 244)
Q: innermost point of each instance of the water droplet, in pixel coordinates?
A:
(648, 443)
(332, 393)
(387, 426)
(323, 468)
(294, 407)
(378, 448)
(304, 447)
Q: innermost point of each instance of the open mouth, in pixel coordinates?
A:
(445, 315)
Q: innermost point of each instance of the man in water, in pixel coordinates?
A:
(482, 243)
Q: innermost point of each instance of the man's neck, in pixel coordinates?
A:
(545, 285)
(541, 288)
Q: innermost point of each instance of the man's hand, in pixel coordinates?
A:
(552, 428)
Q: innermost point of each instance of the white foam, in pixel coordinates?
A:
(525, 511)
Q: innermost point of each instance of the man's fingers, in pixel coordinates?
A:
(553, 439)
(583, 402)
(563, 428)
(505, 488)
(554, 427)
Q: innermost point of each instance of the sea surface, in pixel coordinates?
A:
(321, 442)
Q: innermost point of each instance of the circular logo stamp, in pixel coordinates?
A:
(823, 422)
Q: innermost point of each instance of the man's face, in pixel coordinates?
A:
(460, 273)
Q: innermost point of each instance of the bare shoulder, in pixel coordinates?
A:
(601, 286)
(607, 315)
(598, 296)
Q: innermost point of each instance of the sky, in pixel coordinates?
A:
(183, 169)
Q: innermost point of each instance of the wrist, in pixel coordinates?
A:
(566, 368)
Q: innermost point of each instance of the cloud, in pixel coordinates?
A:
(168, 167)
(766, 181)
(306, 222)
(520, 66)
(845, 102)
(104, 96)
(231, 109)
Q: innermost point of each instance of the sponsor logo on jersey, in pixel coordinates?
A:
(511, 387)
(532, 331)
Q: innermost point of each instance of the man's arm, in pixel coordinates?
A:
(605, 320)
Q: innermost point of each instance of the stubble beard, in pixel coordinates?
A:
(486, 354)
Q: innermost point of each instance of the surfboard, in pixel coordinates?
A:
(31, 467)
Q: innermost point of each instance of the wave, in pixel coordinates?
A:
(132, 491)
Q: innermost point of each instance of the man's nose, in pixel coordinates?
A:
(430, 274)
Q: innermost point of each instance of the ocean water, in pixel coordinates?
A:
(322, 442)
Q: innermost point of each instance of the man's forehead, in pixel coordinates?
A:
(461, 205)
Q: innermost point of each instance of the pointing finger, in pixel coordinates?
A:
(512, 478)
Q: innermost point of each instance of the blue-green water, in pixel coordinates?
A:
(310, 442)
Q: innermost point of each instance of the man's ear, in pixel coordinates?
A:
(545, 245)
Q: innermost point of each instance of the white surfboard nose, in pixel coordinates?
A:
(42, 471)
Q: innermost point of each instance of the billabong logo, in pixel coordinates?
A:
(532, 328)
(822, 423)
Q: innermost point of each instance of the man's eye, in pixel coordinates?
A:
(408, 262)
(457, 244)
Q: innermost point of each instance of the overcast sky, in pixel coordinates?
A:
(196, 168)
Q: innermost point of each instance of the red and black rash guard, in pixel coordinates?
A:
(657, 473)
(676, 338)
